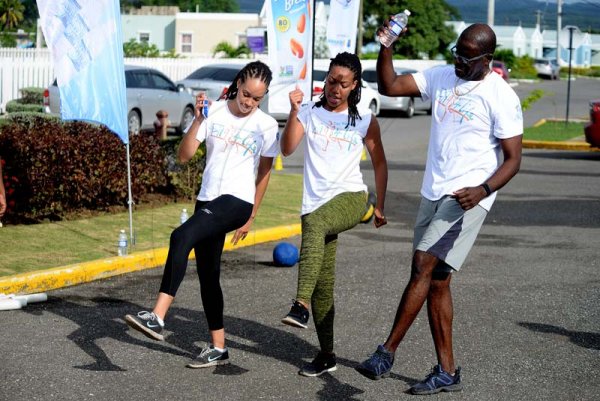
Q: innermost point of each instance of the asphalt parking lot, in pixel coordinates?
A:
(527, 315)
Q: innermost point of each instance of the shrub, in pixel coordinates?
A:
(16, 105)
(32, 95)
(53, 168)
(184, 180)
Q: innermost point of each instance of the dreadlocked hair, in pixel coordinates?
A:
(255, 69)
(351, 62)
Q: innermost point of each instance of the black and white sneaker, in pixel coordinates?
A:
(297, 316)
(146, 323)
(209, 357)
(321, 364)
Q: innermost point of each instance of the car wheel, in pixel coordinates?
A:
(373, 107)
(134, 122)
(410, 109)
(186, 119)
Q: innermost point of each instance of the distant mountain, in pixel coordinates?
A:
(583, 13)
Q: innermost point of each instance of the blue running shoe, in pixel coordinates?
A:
(378, 365)
(438, 380)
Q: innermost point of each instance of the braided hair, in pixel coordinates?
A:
(351, 62)
(255, 69)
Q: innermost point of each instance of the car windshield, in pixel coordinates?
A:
(540, 61)
(319, 75)
(369, 76)
(203, 73)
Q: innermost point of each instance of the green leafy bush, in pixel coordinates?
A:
(16, 105)
(53, 168)
(32, 95)
(184, 179)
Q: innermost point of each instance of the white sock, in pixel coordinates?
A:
(159, 320)
(220, 349)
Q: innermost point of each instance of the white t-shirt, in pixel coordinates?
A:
(233, 149)
(468, 120)
(332, 154)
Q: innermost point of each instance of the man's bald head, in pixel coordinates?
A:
(482, 36)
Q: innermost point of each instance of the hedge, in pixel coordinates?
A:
(52, 168)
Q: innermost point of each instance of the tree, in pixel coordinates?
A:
(11, 13)
(229, 51)
(427, 32)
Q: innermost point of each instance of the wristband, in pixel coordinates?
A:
(487, 189)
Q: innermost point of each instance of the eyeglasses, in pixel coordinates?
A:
(465, 60)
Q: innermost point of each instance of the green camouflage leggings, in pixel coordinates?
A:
(316, 271)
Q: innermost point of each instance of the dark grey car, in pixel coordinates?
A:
(148, 91)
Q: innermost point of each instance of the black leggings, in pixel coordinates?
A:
(205, 232)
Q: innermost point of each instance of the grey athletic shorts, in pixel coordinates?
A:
(446, 231)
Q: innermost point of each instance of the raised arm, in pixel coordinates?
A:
(375, 148)
(262, 181)
(388, 82)
(189, 144)
(294, 131)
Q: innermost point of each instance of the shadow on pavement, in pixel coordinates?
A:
(580, 338)
(102, 317)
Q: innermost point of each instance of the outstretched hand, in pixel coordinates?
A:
(241, 233)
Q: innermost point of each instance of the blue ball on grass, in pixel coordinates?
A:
(285, 254)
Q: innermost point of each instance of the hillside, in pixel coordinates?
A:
(584, 14)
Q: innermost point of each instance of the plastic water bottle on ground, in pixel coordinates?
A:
(122, 245)
(397, 24)
(184, 216)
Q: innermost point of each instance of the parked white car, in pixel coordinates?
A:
(547, 68)
(405, 105)
(369, 98)
(148, 91)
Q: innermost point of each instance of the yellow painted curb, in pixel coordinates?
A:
(58, 277)
(558, 145)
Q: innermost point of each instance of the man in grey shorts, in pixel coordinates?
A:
(474, 150)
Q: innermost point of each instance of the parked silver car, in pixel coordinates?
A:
(148, 91)
(405, 105)
(212, 79)
(547, 68)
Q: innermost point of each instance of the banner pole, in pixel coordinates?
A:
(129, 200)
(312, 53)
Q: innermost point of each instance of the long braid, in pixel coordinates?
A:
(255, 69)
(352, 62)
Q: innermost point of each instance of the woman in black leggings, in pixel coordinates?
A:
(240, 139)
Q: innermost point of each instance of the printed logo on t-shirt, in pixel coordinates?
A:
(242, 140)
(337, 133)
(459, 108)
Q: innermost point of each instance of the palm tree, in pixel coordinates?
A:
(229, 51)
(11, 13)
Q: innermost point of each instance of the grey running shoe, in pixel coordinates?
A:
(298, 316)
(209, 357)
(146, 323)
(438, 380)
(321, 364)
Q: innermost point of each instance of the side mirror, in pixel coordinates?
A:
(180, 87)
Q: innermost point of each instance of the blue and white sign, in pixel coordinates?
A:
(84, 37)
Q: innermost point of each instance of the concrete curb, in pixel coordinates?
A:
(574, 145)
(58, 277)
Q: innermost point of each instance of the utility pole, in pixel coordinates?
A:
(539, 18)
(359, 39)
(558, 28)
(490, 17)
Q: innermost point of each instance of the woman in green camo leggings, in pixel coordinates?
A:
(334, 195)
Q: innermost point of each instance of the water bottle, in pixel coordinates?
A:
(397, 24)
(122, 249)
(184, 216)
(205, 108)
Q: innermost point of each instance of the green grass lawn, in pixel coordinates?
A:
(39, 246)
(554, 131)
